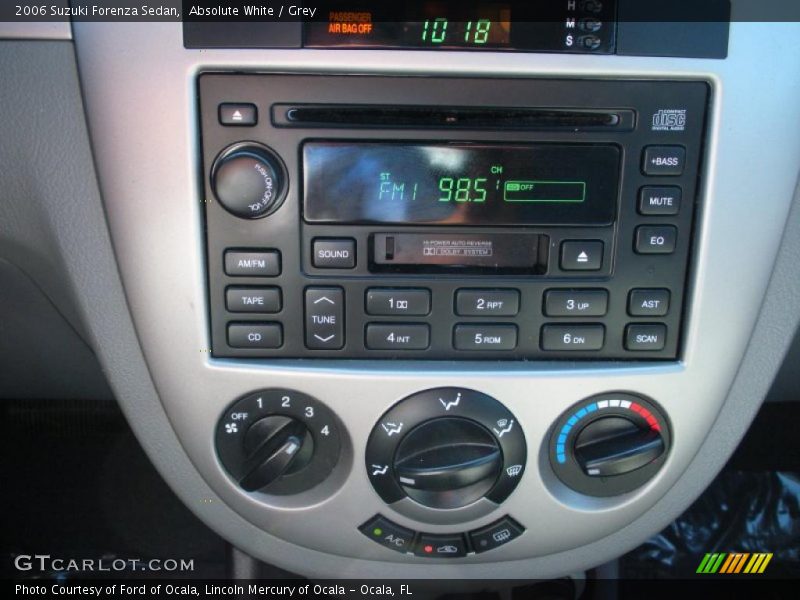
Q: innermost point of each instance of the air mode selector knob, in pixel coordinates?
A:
(248, 180)
(447, 462)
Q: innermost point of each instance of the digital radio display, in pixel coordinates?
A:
(460, 183)
(520, 25)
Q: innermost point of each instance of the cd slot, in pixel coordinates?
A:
(437, 117)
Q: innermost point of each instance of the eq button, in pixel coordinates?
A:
(656, 239)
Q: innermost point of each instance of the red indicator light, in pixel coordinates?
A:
(428, 549)
(655, 427)
(635, 407)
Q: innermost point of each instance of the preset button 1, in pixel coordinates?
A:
(388, 302)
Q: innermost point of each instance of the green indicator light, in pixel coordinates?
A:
(544, 191)
(377, 531)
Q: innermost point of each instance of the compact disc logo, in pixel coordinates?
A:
(669, 120)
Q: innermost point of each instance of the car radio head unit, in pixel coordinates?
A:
(443, 220)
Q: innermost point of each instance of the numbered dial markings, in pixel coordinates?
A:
(439, 403)
(320, 422)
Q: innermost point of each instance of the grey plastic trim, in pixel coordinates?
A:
(142, 113)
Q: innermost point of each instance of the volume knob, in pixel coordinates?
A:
(248, 180)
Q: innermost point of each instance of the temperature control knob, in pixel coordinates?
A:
(249, 180)
(278, 441)
(609, 444)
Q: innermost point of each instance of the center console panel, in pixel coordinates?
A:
(448, 218)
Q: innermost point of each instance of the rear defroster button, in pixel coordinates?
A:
(497, 534)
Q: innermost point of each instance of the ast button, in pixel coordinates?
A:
(664, 160)
(441, 546)
(642, 336)
(656, 239)
(324, 318)
(659, 201)
(581, 255)
(334, 253)
(244, 115)
(255, 335)
(260, 300)
(648, 303)
(495, 535)
(388, 534)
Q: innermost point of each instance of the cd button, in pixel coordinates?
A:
(255, 335)
(581, 255)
